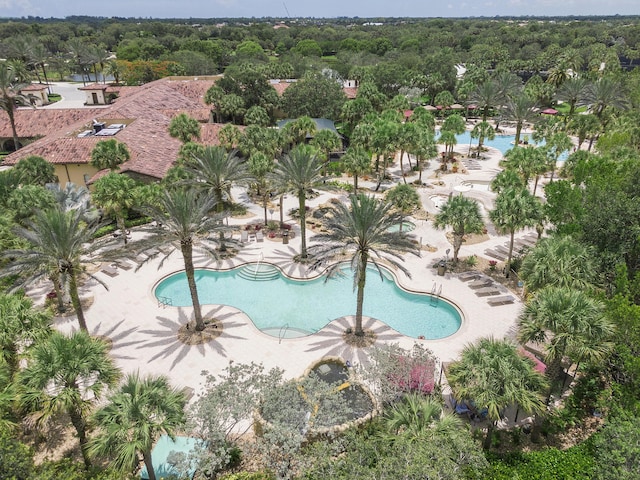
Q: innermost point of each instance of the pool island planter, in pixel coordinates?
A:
(261, 424)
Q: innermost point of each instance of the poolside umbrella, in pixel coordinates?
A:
(456, 106)
(549, 111)
(430, 108)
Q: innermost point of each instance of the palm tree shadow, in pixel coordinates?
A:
(166, 337)
(117, 338)
(333, 343)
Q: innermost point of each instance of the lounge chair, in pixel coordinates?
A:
(244, 236)
(481, 282)
(124, 264)
(259, 236)
(466, 276)
(109, 270)
(493, 254)
(487, 291)
(502, 300)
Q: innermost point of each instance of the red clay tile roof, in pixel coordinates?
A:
(94, 86)
(32, 122)
(147, 110)
(34, 87)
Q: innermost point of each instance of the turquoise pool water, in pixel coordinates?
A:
(406, 227)
(500, 142)
(284, 307)
(162, 451)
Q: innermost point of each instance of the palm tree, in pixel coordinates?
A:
(487, 95)
(449, 140)
(556, 144)
(68, 374)
(35, 170)
(299, 171)
(482, 131)
(59, 246)
(326, 141)
(508, 178)
(514, 210)
(405, 199)
(568, 323)
(216, 171)
(573, 91)
(109, 154)
(134, 417)
(528, 162)
(187, 224)
(606, 92)
(520, 109)
(560, 262)
(494, 375)
(21, 326)
(115, 194)
(9, 97)
(364, 230)
(184, 128)
(463, 215)
(584, 126)
(416, 416)
(260, 166)
(357, 162)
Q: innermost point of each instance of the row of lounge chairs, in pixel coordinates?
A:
(246, 237)
(486, 287)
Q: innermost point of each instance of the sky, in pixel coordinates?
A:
(314, 8)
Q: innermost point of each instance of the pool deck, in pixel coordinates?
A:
(144, 333)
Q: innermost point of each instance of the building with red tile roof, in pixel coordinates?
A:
(64, 137)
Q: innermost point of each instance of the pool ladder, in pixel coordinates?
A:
(435, 294)
(260, 260)
(164, 302)
(282, 332)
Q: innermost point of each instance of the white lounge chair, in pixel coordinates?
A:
(259, 236)
(471, 275)
(502, 300)
(481, 282)
(487, 291)
(244, 236)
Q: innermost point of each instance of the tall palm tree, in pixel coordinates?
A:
(520, 110)
(573, 91)
(514, 210)
(559, 261)
(357, 162)
(133, 419)
(463, 215)
(494, 375)
(528, 162)
(605, 93)
(567, 322)
(482, 131)
(216, 171)
(299, 171)
(486, 96)
(363, 228)
(187, 224)
(326, 141)
(10, 96)
(59, 246)
(68, 374)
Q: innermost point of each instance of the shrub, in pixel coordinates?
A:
(471, 261)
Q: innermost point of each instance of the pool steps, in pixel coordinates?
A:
(260, 272)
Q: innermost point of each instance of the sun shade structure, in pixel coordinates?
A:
(549, 111)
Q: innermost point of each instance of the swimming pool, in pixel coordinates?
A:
(500, 142)
(286, 308)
